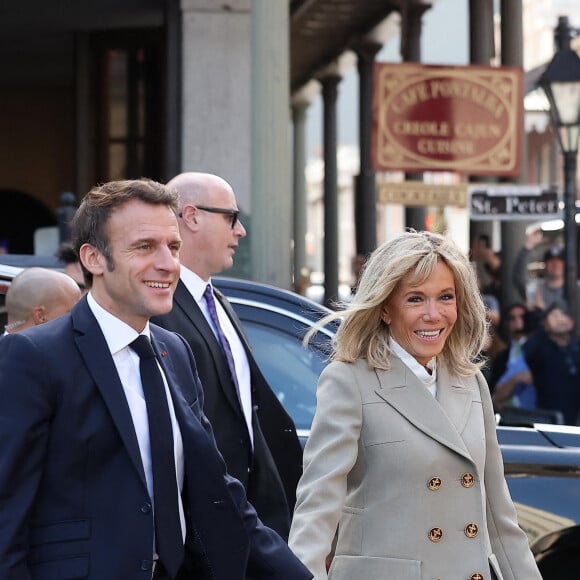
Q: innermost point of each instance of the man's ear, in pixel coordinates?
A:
(39, 314)
(92, 259)
(189, 215)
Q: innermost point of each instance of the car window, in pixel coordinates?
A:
(291, 369)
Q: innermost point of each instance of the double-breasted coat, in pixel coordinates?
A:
(414, 483)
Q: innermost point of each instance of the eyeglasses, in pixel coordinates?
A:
(232, 213)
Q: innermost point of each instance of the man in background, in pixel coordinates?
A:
(67, 255)
(254, 433)
(553, 356)
(550, 288)
(37, 295)
(511, 382)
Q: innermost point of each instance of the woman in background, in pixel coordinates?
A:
(403, 463)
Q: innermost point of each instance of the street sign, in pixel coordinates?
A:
(420, 194)
(513, 202)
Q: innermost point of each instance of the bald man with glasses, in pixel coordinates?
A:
(254, 433)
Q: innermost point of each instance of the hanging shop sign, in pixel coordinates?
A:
(466, 119)
(513, 202)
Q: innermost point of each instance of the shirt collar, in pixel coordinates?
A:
(118, 334)
(194, 284)
(417, 369)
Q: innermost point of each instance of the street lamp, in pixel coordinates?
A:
(561, 83)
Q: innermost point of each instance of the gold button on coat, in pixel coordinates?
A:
(435, 534)
(434, 483)
(467, 479)
(471, 530)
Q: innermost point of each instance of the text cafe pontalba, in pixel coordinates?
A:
(462, 119)
(447, 137)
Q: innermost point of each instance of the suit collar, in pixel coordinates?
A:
(193, 282)
(99, 361)
(443, 418)
(191, 310)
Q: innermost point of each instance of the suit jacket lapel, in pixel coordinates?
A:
(233, 317)
(164, 359)
(401, 389)
(185, 301)
(97, 357)
(254, 369)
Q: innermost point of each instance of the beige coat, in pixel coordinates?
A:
(414, 483)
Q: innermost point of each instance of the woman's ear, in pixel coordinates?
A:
(385, 316)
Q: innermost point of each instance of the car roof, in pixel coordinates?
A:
(27, 260)
(259, 292)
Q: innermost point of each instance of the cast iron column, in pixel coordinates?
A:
(300, 205)
(329, 97)
(513, 232)
(571, 273)
(365, 201)
(411, 52)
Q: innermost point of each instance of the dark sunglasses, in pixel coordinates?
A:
(232, 213)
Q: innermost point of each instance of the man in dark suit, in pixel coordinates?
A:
(254, 433)
(80, 469)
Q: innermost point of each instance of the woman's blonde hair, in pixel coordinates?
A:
(362, 332)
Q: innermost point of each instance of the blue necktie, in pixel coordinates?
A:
(168, 536)
(210, 301)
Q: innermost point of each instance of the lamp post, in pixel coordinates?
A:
(561, 83)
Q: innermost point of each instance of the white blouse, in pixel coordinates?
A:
(429, 380)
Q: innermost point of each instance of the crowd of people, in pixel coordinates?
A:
(532, 349)
(143, 442)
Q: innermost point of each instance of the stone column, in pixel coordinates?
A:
(216, 95)
(270, 123)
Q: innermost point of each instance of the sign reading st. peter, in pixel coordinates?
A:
(513, 202)
(466, 119)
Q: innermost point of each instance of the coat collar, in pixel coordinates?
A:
(444, 418)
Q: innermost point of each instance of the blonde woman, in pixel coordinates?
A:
(403, 464)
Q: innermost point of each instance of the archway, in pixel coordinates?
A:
(21, 215)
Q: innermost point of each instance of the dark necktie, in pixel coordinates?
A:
(168, 536)
(210, 301)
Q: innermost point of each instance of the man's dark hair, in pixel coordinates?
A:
(66, 253)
